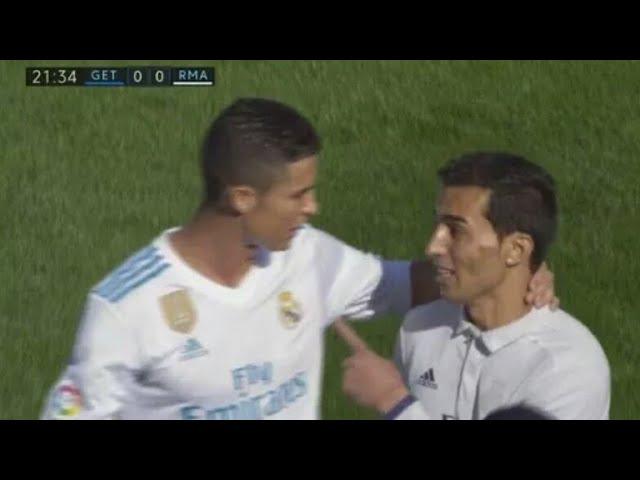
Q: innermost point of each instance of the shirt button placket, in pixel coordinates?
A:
(470, 374)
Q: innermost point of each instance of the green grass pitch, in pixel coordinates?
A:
(89, 175)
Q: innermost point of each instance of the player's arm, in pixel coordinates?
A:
(361, 285)
(424, 288)
(375, 382)
(97, 381)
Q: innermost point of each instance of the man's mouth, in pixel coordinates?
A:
(444, 273)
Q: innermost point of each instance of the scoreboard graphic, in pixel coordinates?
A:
(120, 76)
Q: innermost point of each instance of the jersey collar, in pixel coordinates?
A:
(500, 337)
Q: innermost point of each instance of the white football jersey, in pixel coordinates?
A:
(547, 360)
(160, 341)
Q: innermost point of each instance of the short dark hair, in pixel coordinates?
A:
(250, 142)
(518, 412)
(523, 197)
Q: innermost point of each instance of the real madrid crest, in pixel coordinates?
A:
(178, 310)
(290, 310)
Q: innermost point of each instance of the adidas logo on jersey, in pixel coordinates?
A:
(427, 379)
(192, 349)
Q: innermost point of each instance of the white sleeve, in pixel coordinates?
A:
(96, 383)
(361, 285)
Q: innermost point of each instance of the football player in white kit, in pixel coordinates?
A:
(481, 349)
(223, 318)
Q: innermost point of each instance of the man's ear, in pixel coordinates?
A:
(517, 248)
(242, 198)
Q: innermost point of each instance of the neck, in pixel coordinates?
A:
(503, 305)
(216, 246)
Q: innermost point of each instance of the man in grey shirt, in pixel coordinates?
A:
(480, 347)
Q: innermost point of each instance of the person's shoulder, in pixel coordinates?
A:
(566, 340)
(566, 369)
(562, 328)
(439, 314)
(142, 275)
(308, 235)
(325, 248)
(305, 249)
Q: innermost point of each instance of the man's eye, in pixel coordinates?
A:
(299, 195)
